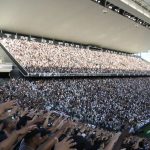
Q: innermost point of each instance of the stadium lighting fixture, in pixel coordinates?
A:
(110, 7)
(133, 18)
(117, 10)
(98, 1)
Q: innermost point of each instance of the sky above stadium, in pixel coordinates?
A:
(146, 56)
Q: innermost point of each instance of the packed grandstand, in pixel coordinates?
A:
(37, 57)
(71, 113)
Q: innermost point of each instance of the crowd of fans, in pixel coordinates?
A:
(38, 57)
(103, 102)
(98, 111)
(22, 128)
(69, 114)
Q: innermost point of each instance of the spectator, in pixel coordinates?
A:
(31, 140)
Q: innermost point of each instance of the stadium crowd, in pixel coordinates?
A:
(38, 57)
(69, 114)
(111, 104)
(107, 103)
(24, 126)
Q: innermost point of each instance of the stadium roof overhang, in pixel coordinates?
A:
(81, 21)
(145, 4)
